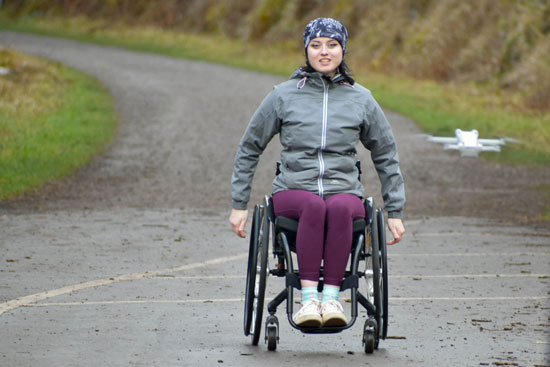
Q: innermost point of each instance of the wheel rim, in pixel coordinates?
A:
(369, 274)
(256, 298)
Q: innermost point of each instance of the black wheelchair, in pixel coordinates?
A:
(368, 260)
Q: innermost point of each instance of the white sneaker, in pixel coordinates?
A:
(309, 314)
(333, 314)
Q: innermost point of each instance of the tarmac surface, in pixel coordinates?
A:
(131, 262)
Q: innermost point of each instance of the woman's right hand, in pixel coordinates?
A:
(238, 221)
(397, 229)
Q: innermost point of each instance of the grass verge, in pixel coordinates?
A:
(437, 108)
(53, 119)
(545, 190)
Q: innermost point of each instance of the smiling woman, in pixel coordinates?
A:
(53, 120)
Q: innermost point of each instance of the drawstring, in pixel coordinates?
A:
(302, 82)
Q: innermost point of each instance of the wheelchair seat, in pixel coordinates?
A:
(289, 224)
(290, 227)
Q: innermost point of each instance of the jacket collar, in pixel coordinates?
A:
(316, 78)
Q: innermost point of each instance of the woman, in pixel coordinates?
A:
(321, 114)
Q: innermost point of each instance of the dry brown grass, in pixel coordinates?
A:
(31, 87)
(446, 64)
(503, 44)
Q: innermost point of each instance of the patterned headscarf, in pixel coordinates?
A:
(326, 27)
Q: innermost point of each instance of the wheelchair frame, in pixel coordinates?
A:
(369, 246)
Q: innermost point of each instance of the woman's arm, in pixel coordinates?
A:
(263, 125)
(377, 137)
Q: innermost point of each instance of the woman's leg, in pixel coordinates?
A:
(310, 210)
(342, 209)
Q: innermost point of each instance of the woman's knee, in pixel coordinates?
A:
(344, 205)
(313, 203)
(299, 202)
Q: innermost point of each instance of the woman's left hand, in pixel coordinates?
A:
(397, 230)
(238, 221)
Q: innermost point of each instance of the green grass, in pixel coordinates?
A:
(40, 143)
(545, 190)
(437, 108)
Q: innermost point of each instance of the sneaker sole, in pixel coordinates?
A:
(334, 320)
(310, 322)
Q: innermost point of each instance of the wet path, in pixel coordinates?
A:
(131, 262)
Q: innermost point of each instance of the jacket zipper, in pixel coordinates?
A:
(323, 140)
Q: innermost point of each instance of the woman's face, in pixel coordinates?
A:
(325, 55)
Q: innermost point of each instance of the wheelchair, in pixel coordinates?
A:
(368, 260)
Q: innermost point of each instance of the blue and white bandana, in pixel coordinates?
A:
(326, 27)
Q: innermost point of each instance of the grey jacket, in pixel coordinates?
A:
(320, 123)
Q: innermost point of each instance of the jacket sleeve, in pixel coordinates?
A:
(377, 136)
(263, 125)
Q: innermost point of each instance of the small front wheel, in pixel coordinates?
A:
(370, 335)
(271, 338)
(369, 341)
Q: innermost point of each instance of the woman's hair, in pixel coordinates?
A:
(343, 69)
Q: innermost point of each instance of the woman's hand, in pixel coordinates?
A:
(238, 221)
(397, 230)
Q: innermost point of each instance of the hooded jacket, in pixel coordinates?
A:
(320, 122)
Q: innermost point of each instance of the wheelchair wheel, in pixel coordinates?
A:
(383, 273)
(251, 270)
(260, 270)
(372, 273)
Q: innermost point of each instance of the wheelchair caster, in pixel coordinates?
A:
(271, 332)
(370, 336)
(271, 338)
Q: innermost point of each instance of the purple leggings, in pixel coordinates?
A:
(324, 232)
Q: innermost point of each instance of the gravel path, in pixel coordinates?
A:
(181, 123)
(120, 251)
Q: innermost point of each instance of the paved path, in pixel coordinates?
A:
(131, 262)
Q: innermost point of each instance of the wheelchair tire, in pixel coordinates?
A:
(261, 275)
(251, 270)
(384, 273)
(376, 273)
